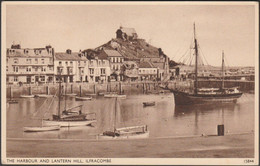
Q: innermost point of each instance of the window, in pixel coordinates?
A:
(36, 69)
(99, 62)
(51, 68)
(28, 61)
(42, 61)
(15, 68)
(71, 62)
(28, 69)
(36, 60)
(15, 60)
(103, 71)
(66, 63)
(60, 63)
(91, 71)
(42, 78)
(15, 78)
(6, 68)
(43, 69)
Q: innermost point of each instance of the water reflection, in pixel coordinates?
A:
(163, 119)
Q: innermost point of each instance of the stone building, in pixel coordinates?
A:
(130, 70)
(116, 61)
(29, 65)
(126, 33)
(147, 71)
(71, 66)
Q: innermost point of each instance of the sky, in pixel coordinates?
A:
(167, 25)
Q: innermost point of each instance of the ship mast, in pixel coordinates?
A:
(196, 63)
(115, 116)
(222, 85)
(59, 92)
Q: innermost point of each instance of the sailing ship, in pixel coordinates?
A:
(205, 95)
(133, 132)
(69, 117)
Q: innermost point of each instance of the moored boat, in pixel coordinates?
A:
(69, 117)
(43, 95)
(27, 96)
(132, 132)
(206, 95)
(78, 98)
(41, 128)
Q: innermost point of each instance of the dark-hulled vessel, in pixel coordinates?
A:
(206, 95)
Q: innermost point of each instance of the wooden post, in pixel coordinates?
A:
(47, 90)
(71, 88)
(143, 88)
(107, 87)
(30, 90)
(11, 92)
(80, 90)
(94, 88)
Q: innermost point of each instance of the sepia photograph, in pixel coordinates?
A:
(130, 83)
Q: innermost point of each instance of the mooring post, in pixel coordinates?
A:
(94, 88)
(80, 90)
(30, 90)
(47, 90)
(143, 88)
(71, 88)
(11, 92)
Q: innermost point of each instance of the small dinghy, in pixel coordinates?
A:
(101, 93)
(43, 95)
(27, 96)
(149, 103)
(78, 98)
(41, 128)
(114, 96)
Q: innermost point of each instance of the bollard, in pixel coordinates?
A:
(220, 130)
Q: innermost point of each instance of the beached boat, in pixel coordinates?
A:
(78, 98)
(91, 94)
(69, 117)
(101, 93)
(27, 96)
(133, 132)
(203, 95)
(149, 103)
(41, 128)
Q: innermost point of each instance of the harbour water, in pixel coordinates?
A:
(163, 120)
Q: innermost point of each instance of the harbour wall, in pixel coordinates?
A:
(86, 88)
(122, 87)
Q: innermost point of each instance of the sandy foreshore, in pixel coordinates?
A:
(228, 146)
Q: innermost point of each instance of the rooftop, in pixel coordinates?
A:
(72, 57)
(112, 53)
(128, 31)
(146, 65)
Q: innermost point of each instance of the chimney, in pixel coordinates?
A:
(68, 51)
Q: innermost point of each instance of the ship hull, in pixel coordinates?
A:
(67, 123)
(124, 136)
(182, 98)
